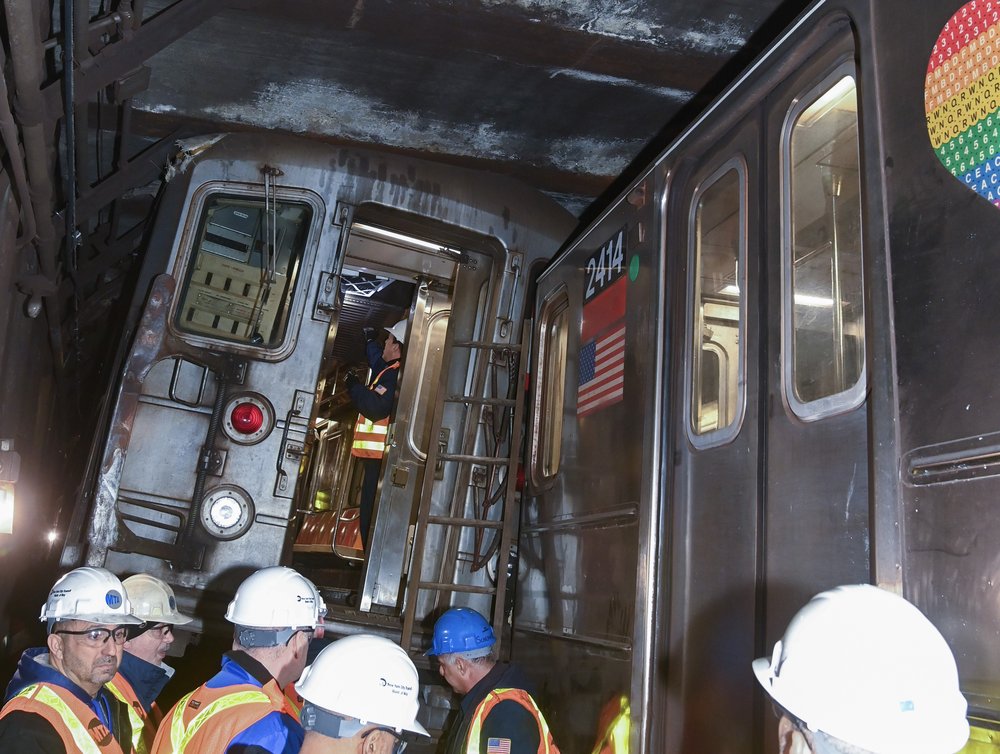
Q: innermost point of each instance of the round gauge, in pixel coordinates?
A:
(248, 418)
(227, 512)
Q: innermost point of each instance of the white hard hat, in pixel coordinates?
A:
(865, 666)
(90, 594)
(275, 597)
(153, 600)
(398, 330)
(365, 677)
(321, 609)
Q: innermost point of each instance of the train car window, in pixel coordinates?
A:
(550, 386)
(240, 280)
(717, 321)
(823, 297)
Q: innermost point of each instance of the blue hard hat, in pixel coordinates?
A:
(461, 629)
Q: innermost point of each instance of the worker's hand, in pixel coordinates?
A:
(351, 379)
(369, 333)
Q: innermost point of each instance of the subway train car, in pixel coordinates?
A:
(229, 434)
(764, 370)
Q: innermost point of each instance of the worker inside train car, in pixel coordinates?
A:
(374, 401)
(862, 671)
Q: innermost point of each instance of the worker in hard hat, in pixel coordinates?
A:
(143, 673)
(863, 671)
(360, 696)
(497, 711)
(243, 707)
(57, 701)
(374, 401)
(292, 696)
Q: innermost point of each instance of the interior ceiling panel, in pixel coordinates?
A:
(560, 93)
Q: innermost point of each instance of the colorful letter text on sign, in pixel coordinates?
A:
(962, 97)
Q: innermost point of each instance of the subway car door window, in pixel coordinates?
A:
(240, 282)
(716, 338)
(824, 295)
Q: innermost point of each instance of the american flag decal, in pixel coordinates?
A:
(602, 351)
(497, 746)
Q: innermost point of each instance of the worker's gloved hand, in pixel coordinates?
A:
(351, 379)
(369, 333)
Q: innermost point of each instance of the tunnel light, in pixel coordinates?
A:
(6, 508)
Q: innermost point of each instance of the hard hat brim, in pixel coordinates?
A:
(116, 619)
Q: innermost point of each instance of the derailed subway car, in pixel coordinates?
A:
(765, 370)
(228, 434)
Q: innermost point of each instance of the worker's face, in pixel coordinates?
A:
(89, 660)
(391, 349)
(379, 741)
(452, 670)
(152, 645)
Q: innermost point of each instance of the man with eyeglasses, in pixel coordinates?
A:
(243, 708)
(142, 673)
(360, 696)
(57, 702)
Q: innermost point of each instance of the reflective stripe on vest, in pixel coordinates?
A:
(369, 436)
(181, 734)
(615, 727)
(66, 714)
(143, 728)
(293, 701)
(545, 745)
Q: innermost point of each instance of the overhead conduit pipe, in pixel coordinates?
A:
(26, 58)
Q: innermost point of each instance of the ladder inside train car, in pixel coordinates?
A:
(434, 572)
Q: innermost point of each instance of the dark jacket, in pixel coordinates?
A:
(508, 719)
(146, 679)
(28, 733)
(374, 400)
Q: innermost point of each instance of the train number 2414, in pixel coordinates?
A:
(606, 265)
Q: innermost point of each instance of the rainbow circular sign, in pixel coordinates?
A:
(962, 97)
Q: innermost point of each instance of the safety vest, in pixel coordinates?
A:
(143, 725)
(370, 436)
(614, 727)
(293, 701)
(230, 709)
(545, 746)
(76, 723)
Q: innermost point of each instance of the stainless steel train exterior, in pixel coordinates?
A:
(765, 370)
(228, 434)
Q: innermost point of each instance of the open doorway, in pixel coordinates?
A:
(387, 278)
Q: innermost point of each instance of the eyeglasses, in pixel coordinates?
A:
(399, 744)
(162, 629)
(98, 637)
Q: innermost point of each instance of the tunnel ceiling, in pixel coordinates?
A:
(563, 94)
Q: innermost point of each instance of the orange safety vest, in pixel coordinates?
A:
(76, 723)
(293, 701)
(207, 720)
(545, 746)
(614, 727)
(370, 436)
(143, 725)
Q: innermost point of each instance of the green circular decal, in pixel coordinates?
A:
(633, 267)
